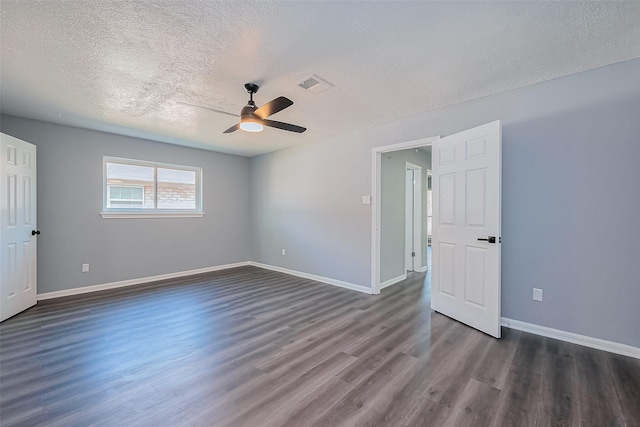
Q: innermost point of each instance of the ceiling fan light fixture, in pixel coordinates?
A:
(251, 126)
(254, 119)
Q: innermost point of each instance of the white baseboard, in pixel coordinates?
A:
(322, 279)
(393, 281)
(138, 281)
(424, 268)
(597, 343)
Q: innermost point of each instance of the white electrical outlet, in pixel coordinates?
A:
(537, 294)
(85, 268)
(284, 252)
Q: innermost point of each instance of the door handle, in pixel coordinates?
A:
(34, 232)
(490, 239)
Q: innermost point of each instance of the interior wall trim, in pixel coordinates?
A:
(597, 343)
(138, 281)
(328, 280)
(393, 281)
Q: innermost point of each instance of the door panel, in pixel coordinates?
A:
(466, 271)
(476, 184)
(18, 275)
(446, 271)
(474, 285)
(447, 196)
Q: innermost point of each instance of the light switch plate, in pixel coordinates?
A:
(366, 200)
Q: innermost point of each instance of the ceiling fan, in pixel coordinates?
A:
(253, 119)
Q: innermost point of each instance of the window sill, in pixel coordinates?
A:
(151, 214)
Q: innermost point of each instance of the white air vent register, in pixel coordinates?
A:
(315, 84)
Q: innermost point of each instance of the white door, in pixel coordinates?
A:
(408, 221)
(413, 216)
(429, 223)
(465, 279)
(18, 229)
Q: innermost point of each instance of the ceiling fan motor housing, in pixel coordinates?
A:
(246, 115)
(247, 111)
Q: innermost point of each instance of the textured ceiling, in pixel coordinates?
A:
(126, 66)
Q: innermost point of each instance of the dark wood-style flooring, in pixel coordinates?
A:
(251, 347)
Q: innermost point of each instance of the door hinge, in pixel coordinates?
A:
(413, 254)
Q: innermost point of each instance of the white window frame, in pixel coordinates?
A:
(146, 212)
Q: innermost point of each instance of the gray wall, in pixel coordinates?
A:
(309, 203)
(570, 203)
(70, 198)
(393, 209)
(570, 199)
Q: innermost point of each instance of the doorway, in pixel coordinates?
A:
(400, 223)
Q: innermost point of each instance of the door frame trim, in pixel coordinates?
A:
(376, 190)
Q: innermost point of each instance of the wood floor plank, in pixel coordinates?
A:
(453, 376)
(433, 327)
(491, 368)
(291, 393)
(403, 408)
(597, 407)
(559, 404)
(377, 351)
(311, 407)
(626, 379)
(253, 347)
(521, 395)
(361, 399)
(475, 406)
(425, 412)
(297, 361)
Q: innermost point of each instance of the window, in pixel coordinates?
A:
(121, 196)
(134, 188)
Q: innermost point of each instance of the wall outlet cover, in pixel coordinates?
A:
(537, 294)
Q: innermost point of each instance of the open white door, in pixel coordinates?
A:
(18, 229)
(465, 279)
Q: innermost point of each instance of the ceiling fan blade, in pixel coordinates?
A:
(232, 128)
(273, 107)
(207, 108)
(283, 126)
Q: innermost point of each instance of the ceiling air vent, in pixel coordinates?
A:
(315, 84)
